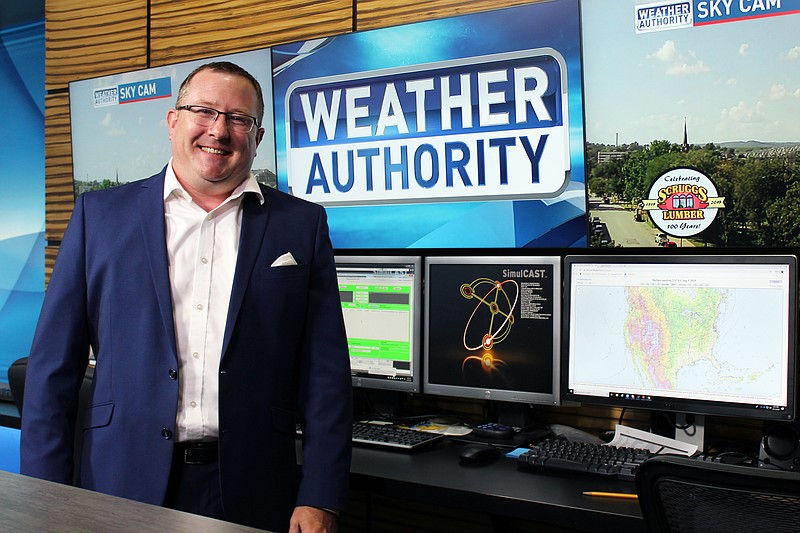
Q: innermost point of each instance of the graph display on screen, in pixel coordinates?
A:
(381, 304)
(700, 334)
(492, 327)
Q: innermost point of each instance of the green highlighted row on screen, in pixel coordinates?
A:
(379, 349)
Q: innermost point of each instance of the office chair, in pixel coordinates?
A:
(680, 494)
(16, 382)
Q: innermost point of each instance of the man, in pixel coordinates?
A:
(213, 308)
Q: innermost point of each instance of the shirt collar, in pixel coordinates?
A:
(173, 187)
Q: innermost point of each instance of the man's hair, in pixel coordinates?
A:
(230, 68)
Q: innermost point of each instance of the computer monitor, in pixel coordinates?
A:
(702, 334)
(492, 327)
(382, 303)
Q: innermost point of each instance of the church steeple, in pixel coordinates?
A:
(685, 145)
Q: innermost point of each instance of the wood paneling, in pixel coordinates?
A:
(59, 196)
(88, 38)
(50, 253)
(371, 14)
(183, 30)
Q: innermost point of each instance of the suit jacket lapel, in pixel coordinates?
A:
(254, 224)
(151, 209)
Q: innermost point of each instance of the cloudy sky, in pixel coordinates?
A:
(732, 81)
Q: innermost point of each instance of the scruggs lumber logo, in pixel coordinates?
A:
(683, 202)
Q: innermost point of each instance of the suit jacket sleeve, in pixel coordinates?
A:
(56, 364)
(325, 390)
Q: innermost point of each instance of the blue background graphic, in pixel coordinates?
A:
(556, 222)
(22, 198)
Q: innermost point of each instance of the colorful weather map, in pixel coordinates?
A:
(670, 329)
(714, 340)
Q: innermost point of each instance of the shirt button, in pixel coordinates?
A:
(166, 434)
(199, 307)
(196, 355)
(173, 374)
(193, 404)
(203, 260)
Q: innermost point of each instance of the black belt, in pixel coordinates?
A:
(197, 453)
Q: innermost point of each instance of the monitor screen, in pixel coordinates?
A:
(492, 328)
(698, 334)
(461, 132)
(381, 303)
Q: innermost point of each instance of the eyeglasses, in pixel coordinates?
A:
(206, 116)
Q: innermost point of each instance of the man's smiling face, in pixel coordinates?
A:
(213, 160)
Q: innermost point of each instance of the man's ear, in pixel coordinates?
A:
(172, 117)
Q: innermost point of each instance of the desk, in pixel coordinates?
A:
(30, 504)
(498, 488)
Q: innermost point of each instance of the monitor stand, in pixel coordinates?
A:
(526, 417)
(690, 429)
(378, 404)
(507, 413)
(684, 427)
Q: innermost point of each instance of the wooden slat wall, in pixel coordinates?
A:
(59, 197)
(183, 30)
(373, 14)
(58, 165)
(88, 38)
(83, 39)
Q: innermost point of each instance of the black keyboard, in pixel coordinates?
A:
(592, 459)
(392, 436)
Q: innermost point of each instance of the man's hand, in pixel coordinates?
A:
(313, 520)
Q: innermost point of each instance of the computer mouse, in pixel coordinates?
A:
(478, 453)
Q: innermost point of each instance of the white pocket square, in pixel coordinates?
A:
(285, 260)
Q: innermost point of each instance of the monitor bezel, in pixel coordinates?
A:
(683, 405)
(415, 385)
(463, 391)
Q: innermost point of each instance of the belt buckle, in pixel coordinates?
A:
(199, 453)
(186, 457)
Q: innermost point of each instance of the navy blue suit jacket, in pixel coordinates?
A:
(284, 359)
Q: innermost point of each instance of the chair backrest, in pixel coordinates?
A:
(684, 494)
(16, 380)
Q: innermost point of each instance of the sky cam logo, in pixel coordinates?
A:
(683, 202)
(138, 91)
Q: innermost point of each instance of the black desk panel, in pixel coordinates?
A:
(9, 415)
(500, 488)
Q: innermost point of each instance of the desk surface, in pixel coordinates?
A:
(500, 488)
(30, 504)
